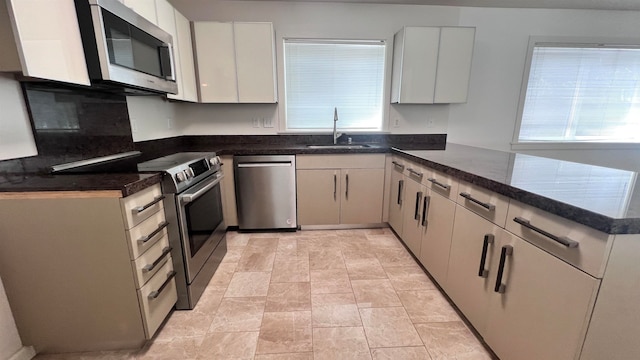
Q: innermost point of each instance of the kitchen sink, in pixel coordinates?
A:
(339, 146)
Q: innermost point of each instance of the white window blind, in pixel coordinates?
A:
(323, 75)
(582, 93)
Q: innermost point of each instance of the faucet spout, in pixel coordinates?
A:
(336, 135)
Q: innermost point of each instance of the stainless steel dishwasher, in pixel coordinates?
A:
(266, 192)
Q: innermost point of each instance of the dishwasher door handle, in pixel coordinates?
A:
(264, 164)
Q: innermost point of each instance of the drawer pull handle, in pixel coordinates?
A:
(151, 266)
(398, 165)
(156, 293)
(486, 205)
(415, 173)
(156, 200)
(416, 214)
(400, 187)
(559, 239)
(488, 239)
(436, 182)
(148, 237)
(425, 210)
(507, 250)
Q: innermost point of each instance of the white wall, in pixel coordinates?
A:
(152, 117)
(16, 138)
(502, 35)
(314, 20)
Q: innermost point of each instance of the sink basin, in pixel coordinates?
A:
(339, 146)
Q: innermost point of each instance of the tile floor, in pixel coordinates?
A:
(343, 294)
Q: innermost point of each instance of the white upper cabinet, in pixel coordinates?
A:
(431, 65)
(187, 87)
(41, 39)
(236, 62)
(171, 21)
(144, 8)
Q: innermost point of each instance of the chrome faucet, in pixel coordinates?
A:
(336, 135)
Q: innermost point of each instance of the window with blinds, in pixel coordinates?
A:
(321, 75)
(581, 93)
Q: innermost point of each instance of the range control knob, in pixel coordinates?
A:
(214, 160)
(189, 172)
(181, 176)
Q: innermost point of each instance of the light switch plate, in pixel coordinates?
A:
(256, 122)
(267, 122)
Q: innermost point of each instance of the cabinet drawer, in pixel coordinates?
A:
(486, 203)
(139, 206)
(151, 261)
(143, 236)
(399, 165)
(441, 183)
(591, 246)
(157, 298)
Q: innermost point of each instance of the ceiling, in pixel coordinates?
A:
(548, 4)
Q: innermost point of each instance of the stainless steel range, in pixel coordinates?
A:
(193, 208)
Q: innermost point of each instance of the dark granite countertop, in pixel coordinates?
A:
(602, 198)
(128, 184)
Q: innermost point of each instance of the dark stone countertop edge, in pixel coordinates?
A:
(137, 186)
(585, 217)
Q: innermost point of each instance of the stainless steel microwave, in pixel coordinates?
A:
(123, 49)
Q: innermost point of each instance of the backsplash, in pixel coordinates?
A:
(71, 124)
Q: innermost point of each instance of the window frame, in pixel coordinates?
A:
(284, 124)
(563, 41)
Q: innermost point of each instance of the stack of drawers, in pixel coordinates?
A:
(150, 253)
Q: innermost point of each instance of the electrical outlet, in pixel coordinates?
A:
(430, 122)
(169, 123)
(256, 122)
(267, 122)
(396, 122)
(134, 126)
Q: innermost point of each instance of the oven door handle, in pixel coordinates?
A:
(187, 198)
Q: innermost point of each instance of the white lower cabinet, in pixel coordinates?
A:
(542, 307)
(340, 189)
(473, 240)
(412, 215)
(397, 198)
(96, 272)
(438, 214)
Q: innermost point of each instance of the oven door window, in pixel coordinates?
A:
(203, 215)
(133, 48)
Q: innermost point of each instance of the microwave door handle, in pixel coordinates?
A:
(168, 50)
(172, 64)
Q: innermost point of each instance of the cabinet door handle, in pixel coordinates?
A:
(415, 173)
(559, 239)
(142, 208)
(148, 237)
(507, 250)
(335, 186)
(425, 210)
(400, 186)
(346, 191)
(488, 239)
(398, 165)
(486, 205)
(151, 266)
(416, 214)
(436, 182)
(156, 293)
